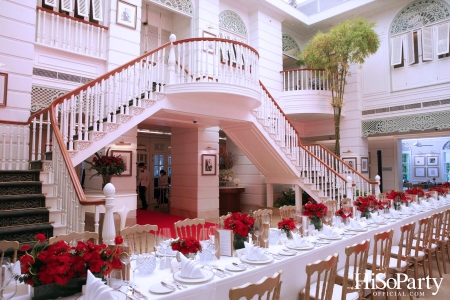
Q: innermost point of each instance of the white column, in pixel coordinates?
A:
(269, 187)
(350, 188)
(377, 187)
(172, 60)
(298, 196)
(109, 231)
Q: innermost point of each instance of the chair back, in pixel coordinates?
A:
(142, 237)
(189, 228)
(287, 211)
(382, 252)
(345, 201)
(382, 196)
(437, 221)
(332, 205)
(446, 224)
(271, 286)
(222, 219)
(323, 273)
(356, 257)
(74, 237)
(405, 243)
(258, 214)
(6, 245)
(423, 236)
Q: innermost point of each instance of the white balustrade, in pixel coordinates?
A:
(14, 146)
(69, 33)
(305, 80)
(109, 231)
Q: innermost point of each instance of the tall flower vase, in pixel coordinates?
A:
(317, 222)
(53, 291)
(238, 241)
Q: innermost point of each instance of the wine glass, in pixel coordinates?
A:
(265, 219)
(114, 279)
(212, 233)
(265, 235)
(257, 227)
(347, 211)
(205, 242)
(134, 263)
(329, 217)
(126, 251)
(298, 222)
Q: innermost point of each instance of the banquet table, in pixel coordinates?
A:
(293, 267)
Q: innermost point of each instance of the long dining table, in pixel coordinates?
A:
(293, 267)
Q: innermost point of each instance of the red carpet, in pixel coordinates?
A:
(144, 217)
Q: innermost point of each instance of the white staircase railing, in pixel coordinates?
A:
(305, 80)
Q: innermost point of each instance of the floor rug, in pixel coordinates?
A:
(163, 220)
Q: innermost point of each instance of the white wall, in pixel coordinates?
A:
(17, 34)
(388, 147)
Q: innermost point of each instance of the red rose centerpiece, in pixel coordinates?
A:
(340, 213)
(399, 197)
(315, 211)
(368, 204)
(106, 166)
(242, 225)
(287, 225)
(186, 246)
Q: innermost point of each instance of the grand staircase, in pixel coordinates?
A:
(179, 78)
(23, 211)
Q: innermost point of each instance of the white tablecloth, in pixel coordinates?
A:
(293, 267)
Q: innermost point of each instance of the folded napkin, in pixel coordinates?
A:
(190, 269)
(96, 288)
(376, 218)
(356, 225)
(330, 232)
(393, 213)
(433, 202)
(254, 252)
(300, 242)
(169, 250)
(416, 207)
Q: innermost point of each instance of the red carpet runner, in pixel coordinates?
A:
(144, 217)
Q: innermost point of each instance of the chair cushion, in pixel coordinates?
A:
(394, 251)
(414, 243)
(392, 261)
(367, 276)
(337, 292)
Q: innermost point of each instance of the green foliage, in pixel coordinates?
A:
(345, 44)
(288, 198)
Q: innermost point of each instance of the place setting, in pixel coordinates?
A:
(298, 243)
(255, 255)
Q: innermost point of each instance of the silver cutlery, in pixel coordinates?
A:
(276, 256)
(223, 271)
(246, 265)
(170, 287)
(179, 285)
(289, 251)
(243, 267)
(173, 285)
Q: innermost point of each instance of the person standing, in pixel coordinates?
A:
(142, 184)
(163, 184)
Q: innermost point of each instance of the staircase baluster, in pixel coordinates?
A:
(33, 145)
(39, 151)
(55, 41)
(10, 147)
(96, 218)
(101, 99)
(71, 122)
(102, 40)
(17, 167)
(79, 125)
(161, 67)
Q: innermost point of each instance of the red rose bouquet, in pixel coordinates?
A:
(367, 204)
(340, 213)
(446, 185)
(186, 245)
(106, 166)
(240, 223)
(441, 191)
(314, 210)
(59, 262)
(416, 191)
(397, 196)
(287, 225)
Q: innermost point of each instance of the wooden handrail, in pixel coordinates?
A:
(70, 17)
(338, 158)
(306, 69)
(216, 40)
(325, 165)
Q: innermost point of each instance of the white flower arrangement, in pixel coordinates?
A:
(236, 181)
(230, 178)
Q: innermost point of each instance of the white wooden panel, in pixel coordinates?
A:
(67, 5)
(83, 7)
(396, 50)
(442, 39)
(427, 44)
(429, 72)
(413, 74)
(398, 79)
(443, 69)
(411, 54)
(97, 10)
(53, 3)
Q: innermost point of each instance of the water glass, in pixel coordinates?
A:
(146, 263)
(115, 279)
(274, 236)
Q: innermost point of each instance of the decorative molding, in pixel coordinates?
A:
(42, 97)
(82, 145)
(230, 21)
(97, 135)
(290, 46)
(419, 14)
(108, 126)
(184, 6)
(433, 120)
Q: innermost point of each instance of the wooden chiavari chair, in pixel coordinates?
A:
(324, 272)
(142, 237)
(287, 211)
(6, 245)
(257, 214)
(269, 285)
(189, 227)
(74, 237)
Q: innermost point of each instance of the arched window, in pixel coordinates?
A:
(290, 46)
(232, 27)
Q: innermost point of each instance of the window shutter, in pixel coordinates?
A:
(411, 56)
(165, 36)
(83, 7)
(427, 44)
(97, 10)
(396, 50)
(442, 39)
(52, 3)
(67, 5)
(152, 37)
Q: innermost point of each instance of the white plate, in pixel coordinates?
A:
(233, 268)
(357, 230)
(243, 258)
(350, 233)
(330, 238)
(287, 253)
(208, 275)
(159, 289)
(291, 246)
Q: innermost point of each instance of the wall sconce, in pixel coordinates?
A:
(122, 143)
(210, 148)
(348, 151)
(210, 26)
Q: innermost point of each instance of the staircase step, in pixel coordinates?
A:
(23, 217)
(25, 233)
(19, 175)
(20, 188)
(11, 202)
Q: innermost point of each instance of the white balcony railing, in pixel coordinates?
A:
(68, 33)
(305, 80)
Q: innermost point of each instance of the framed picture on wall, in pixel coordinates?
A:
(127, 157)
(209, 164)
(419, 172)
(351, 161)
(126, 14)
(364, 165)
(433, 172)
(3, 88)
(432, 161)
(419, 160)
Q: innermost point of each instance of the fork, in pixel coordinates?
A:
(179, 285)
